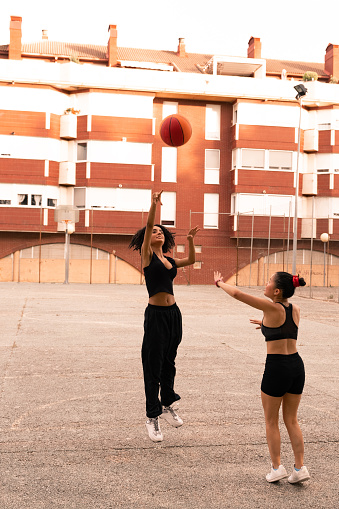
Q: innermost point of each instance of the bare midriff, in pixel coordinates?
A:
(286, 346)
(162, 299)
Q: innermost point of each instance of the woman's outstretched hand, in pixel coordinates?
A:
(218, 277)
(157, 197)
(192, 233)
(256, 322)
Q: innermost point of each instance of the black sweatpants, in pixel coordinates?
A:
(162, 336)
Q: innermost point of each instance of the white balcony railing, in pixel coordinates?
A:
(311, 140)
(68, 127)
(310, 182)
(67, 173)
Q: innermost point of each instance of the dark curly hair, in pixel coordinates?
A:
(138, 239)
(284, 281)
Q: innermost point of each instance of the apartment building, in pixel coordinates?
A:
(79, 140)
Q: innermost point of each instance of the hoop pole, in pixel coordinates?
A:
(288, 234)
(142, 224)
(269, 244)
(311, 268)
(251, 248)
(328, 252)
(66, 253)
(236, 275)
(91, 257)
(283, 249)
(40, 245)
(295, 219)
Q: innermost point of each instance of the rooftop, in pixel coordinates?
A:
(169, 60)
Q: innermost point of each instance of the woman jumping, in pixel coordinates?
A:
(163, 323)
(284, 376)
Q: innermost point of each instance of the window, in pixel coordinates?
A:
(80, 197)
(197, 265)
(212, 166)
(234, 159)
(211, 210)
(212, 122)
(168, 209)
(169, 164)
(233, 204)
(23, 199)
(198, 249)
(323, 163)
(280, 160)
(51, 202)
(264, 204)
(131, 200)
(252, 158)
(169, 108)
(324, 127)
(82, 151)
(119, 152)
(5, 202)
(36, 200)
(180, 248)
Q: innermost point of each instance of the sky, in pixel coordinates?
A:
(288, 29)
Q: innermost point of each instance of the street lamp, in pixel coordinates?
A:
(324, 237)
(70, 227)
(301, 91)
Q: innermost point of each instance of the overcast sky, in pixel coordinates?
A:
(287, 29)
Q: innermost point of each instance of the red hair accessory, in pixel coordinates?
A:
(296, 281)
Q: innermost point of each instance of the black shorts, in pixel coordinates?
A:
(283, 373)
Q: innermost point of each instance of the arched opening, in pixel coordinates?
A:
(46, 264)
(324, 268)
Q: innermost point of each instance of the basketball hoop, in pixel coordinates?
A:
(66, 216)
(69, 226)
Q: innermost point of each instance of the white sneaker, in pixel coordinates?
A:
(153, 428)
(299, 475)
(276, 475)
(171, 416)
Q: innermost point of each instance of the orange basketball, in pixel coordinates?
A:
(175, 130)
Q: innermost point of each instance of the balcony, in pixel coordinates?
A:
(310, 187)
(68, 127)
(311, 140)
(67, 173)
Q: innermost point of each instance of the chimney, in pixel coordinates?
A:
(112, 46)
(254, 48)
(14, 49)
(332, 60)
(45, 35)
(181, 47)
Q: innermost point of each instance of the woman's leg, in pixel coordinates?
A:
(290, 408)
(152, 354)
(167, 393)
(271, 406)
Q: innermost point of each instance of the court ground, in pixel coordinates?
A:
(72, 403)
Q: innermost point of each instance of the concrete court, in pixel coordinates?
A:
(72, 403)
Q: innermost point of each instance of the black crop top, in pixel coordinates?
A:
(287, 330)
(158, 277)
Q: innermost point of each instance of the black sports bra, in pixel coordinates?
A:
(158, 277)
(287, 330)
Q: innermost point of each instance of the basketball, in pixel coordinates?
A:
(175, 130)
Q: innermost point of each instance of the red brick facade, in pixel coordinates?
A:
(28, 132)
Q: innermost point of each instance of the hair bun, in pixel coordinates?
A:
(302, 281)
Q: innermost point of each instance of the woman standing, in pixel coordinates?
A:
(162, 324)
(284, 376)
